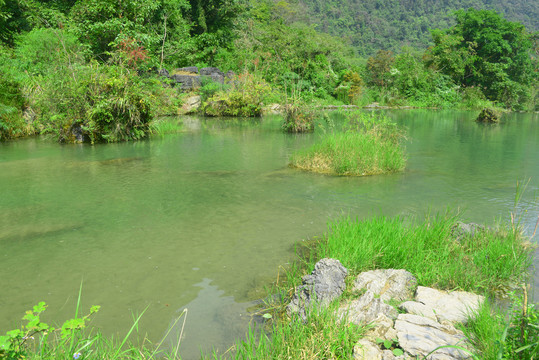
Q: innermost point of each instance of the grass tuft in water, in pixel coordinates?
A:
(370, 145)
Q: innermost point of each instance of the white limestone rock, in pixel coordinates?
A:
(455, 306)
(420, 335)
(388, 284)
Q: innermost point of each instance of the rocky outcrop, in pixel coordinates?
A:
(323, 285)
(423, 326)
(388, 284)
(456, 306)
(190, 77)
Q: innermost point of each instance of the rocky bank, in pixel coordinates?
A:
(419, 322)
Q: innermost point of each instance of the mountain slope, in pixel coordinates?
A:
(390, 24)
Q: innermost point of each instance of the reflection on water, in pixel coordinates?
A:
(148, 223)
(211, 316)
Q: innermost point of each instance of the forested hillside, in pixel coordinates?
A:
(89, 70)
(390, 24)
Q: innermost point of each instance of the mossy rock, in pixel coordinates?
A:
(488, 116)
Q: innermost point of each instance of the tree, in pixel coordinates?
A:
(484, 50)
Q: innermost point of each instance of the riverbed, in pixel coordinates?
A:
(203, 219)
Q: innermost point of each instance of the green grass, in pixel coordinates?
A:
(164, 126)
(486, 263)
(351, 153)
(322, 336)
(368, 144)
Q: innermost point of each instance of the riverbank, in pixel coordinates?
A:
(441, 252)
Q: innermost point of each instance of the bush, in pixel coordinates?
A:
(299, 118)
(12, 104)
(244, 97)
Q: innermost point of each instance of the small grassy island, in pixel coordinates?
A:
(370, 145)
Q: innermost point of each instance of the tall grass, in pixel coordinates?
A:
(486, 262)
(350, 153)
(322, 336)
(368, 145)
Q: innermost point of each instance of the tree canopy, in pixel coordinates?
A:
(487, 51)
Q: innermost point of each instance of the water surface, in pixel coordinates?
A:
(202, 218)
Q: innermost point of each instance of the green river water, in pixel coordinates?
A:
(202, 218)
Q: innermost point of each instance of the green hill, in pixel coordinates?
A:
(390, 24)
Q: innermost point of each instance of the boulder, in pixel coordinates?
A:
(324, 284)
(164, 72)
(455, 306)
(366, 309)
(461, 230)
(187, 82)
(188, 69)
(191, 104)
(387, 284)
(420, 335)
(366, 350)
(208, 71)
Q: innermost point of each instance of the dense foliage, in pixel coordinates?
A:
(88, 70)
(390, 24)
(486, 51)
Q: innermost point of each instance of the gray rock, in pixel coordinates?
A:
(366, 309)
(382, 329)
(208, 71)
(323, 285)
(419, 336)
(188, 69)
(187, 82)
(191, 104)
(230, 74)
(366, 350)
(164, 72)
(461, 230)
(388, 284)
(455, 306)
(218, 78)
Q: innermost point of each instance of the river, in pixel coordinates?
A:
(203, 219)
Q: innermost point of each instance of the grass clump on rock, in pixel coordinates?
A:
(370, 145)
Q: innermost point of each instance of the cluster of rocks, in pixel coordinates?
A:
(422, 325)
(189, 78)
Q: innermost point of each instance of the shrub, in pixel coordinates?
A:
(244, 97)
(12, 103)
(299, 118)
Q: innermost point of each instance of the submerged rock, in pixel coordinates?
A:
(323, 285)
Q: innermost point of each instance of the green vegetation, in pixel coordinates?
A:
(487, 262)
(322, 336)
(391, 24)
(242, 97)
(371, 145)
(75, 340)
(88, 71)
(299, 118)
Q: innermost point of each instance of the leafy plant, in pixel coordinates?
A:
(392, 344)
(13, 345)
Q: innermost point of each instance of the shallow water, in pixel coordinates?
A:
(200, 219)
